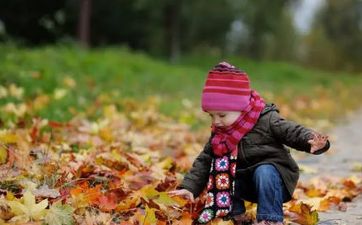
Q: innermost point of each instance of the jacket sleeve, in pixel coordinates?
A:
(292, 134)
(196, 179)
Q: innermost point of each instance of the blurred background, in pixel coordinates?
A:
(60, 57)
(320, 33)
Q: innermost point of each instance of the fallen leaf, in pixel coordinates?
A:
(45, 191)
(59, 214)
(28, 209)
(3, 155)
(150, 216)
(301, 213)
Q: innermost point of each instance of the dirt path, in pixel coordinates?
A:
(345, 153)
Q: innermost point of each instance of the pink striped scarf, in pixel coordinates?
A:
(232, 134)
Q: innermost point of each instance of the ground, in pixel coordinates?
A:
(341, 160)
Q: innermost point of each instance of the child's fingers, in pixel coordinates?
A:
(182, 193)
(311, 141)
(313, 149)
(317, 142)
(175, 193)
(171, 193)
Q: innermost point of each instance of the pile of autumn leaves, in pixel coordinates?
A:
(118, 170)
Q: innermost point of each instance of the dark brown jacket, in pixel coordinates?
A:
(264, 144)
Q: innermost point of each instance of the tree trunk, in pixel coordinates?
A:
(172, 30)
(84, 23)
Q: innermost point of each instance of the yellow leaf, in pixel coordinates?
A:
(60, 93)
(180, 201)
(17, 208)
(148, 192)
(9, 196)
(3, 155)
(128, 203)
(69, 82)
(16, 91)
(8, 138)
(166, 164)
(164, 200)
(303, 214)
(106, 134)
(40, 102)
(150, 217)
(3, 92)
(29, 209)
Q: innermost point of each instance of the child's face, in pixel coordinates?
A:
(223, 118)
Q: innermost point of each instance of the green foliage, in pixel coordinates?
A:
(66, 81)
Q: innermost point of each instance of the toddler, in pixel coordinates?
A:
(245, 157)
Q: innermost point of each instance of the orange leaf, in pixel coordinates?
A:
(349, 184)
(128, 203)
(106, 203)
(109, 200)
(314, 192)
(83, 195)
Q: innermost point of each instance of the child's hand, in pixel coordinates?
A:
(318, 142)
(183, 193)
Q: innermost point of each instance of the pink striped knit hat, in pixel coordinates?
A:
(226, 89)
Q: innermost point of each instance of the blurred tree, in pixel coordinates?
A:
(84, 22)
(164, 21)
(111, 22)
(186, 25)
(205, 25)
(268, 23)
(281, 43)
(340, 24)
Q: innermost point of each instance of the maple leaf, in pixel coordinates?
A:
(161, 198)
(59, 214)
(83, 195)
(28, 209)
(301, 213)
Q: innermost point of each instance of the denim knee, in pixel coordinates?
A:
(266, 173)
(271, 191)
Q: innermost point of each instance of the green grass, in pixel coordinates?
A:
(278, 77)
(116, 73)
(110, 75)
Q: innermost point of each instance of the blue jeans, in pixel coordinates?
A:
(266, 188)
